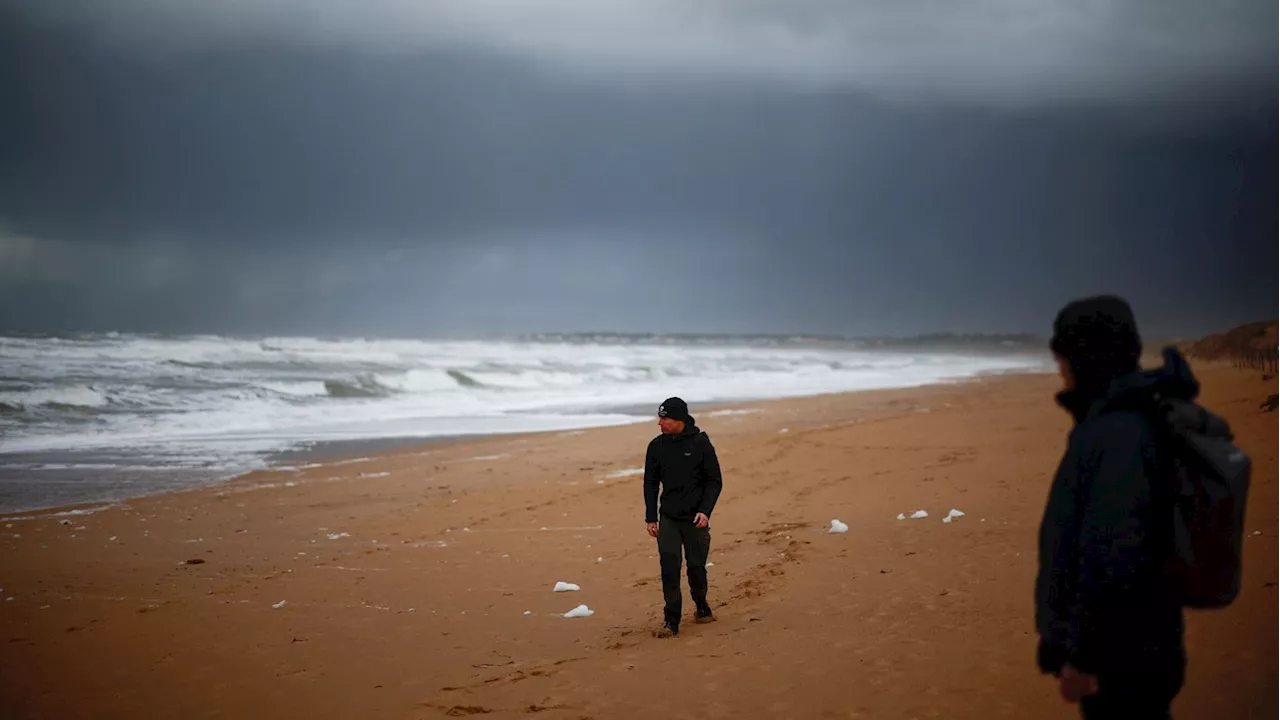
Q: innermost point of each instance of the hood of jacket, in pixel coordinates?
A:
(1173, 380)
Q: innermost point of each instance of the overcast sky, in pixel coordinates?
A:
(480, 167)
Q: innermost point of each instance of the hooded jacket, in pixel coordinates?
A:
(1104, 601)
(686, 468)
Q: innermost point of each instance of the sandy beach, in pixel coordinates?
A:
(418, 584)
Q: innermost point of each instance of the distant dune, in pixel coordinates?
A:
(1234, 343)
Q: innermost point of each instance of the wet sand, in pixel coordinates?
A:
(417, 584)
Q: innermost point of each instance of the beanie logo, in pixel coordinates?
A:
(662, 411)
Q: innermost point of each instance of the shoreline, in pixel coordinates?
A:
(323, 453)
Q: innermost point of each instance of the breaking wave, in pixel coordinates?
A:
(355, 389)
(215, 402)
(74, 397)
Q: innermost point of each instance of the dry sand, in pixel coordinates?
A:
(407, 578)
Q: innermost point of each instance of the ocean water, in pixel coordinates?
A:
(101, 417)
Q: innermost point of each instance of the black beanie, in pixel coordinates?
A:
(1098, 338)
(676, 409)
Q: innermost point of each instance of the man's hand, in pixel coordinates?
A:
(1075, 685)
(700, 521)
(652, 528)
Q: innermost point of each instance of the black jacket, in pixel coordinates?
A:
(1104, 601)
(686, 467)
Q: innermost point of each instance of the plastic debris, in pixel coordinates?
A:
(279, 605)
(565, 587)
(838, 527)
(580, 612)
(919, 514)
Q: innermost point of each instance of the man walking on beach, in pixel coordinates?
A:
(683, 463)
(1108, 614)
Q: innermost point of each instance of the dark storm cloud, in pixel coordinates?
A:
(1002, 51)
(468, 168)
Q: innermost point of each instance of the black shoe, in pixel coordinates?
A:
(669, 630)
(704, 615)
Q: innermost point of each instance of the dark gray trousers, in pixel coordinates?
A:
(1139, 694)
(674, 536)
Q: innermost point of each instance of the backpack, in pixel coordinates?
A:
(1210, 485)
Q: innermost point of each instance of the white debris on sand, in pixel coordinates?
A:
(338, 536)
(64, 513)
(784, 430)
(838, 527)
(726, 413)
(82, 511)
(952, 515)
(580, 612)
(528, 612)
(279, 605)
(919, 514)
(565, 587)
(628, 472)
(902, 516)
(351, 461)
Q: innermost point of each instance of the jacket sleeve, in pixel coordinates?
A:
(712, 481)
(1115, 493)
(652, 477)
(1055, 580)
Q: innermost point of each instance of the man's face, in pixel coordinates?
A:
(1064, 369)
(669, 426)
